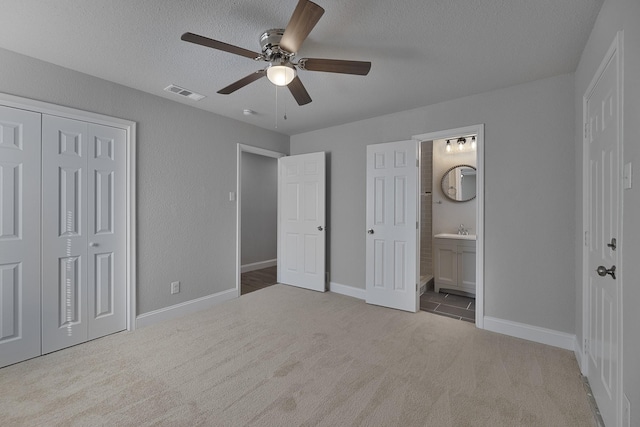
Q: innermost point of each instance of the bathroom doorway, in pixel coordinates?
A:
(451, 212)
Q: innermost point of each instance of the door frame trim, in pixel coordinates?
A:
(479, 226)
(243, 148)
(130, 128)
(616, 48)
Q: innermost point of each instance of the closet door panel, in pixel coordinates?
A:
(20, 163)
(106, 230)
(64, 233)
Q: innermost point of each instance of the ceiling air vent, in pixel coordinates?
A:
(184, 92)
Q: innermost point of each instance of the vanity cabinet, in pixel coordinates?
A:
(455, 264)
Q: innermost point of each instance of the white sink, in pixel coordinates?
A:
(455, 236)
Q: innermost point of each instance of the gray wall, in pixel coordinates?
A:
(259, 208)
(529, 193)
(617, 15)
(186, 168)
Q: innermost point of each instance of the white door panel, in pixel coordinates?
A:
(301, 234)
(64, 239)
(106, 290)
(392, 215)
(19, 235)
(603, 121)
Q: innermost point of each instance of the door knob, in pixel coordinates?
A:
(320, 228)
(603, 271)
(370, 231)
(93, 245)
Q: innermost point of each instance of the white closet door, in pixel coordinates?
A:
(19, 235)
(84, 232)
(106, 231)
(64, 233)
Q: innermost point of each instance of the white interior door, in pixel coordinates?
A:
(19, 235)
(392, 219)
(603, 136)
(301, 221)
(84, 232)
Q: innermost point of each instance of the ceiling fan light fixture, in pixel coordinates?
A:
(281, 74)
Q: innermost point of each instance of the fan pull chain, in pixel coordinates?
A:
(285, 108)
(276, 107)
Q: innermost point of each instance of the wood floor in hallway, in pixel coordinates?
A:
(258, 279)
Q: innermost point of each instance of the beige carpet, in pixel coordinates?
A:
(283, 356)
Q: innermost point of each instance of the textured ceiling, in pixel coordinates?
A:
(422, 51)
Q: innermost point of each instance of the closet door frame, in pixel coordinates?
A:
(130, 128)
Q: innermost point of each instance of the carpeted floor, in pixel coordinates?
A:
(284, 356)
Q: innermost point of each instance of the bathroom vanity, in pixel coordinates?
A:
(455, 262)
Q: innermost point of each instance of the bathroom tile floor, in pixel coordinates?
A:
(450, 305)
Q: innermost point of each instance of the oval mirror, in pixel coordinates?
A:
(459, 183)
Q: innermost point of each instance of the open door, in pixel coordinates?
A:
(603, 119)
(392, 219)
(301, 221)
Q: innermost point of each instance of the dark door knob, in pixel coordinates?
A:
(603, 271)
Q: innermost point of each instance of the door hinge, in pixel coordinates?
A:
(417, 163)
(417, 226)
(586, 345)
(586, 238)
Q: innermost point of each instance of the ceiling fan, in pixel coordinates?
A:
(279, 47)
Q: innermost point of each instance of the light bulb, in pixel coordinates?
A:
(281, 75)
(448, 147)
(473, 143)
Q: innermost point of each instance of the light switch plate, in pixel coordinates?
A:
(232, 196)
(627, 176)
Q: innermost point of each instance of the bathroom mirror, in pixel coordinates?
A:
(459, 183)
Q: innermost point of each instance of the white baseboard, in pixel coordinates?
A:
(349, 291)
(184, 308)
(531, 333)
(580, 356)
(245, 268)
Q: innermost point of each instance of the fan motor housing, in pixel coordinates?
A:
(270, 44)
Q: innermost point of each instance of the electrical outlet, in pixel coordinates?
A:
(175, 287)
(626, 422)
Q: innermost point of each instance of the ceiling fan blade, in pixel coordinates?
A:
(242, 82)
(359, 68)
(305, 16)
(204, 41)
(299, 92)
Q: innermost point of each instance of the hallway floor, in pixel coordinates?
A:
(258, 279)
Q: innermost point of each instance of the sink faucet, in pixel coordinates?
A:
(462, 230)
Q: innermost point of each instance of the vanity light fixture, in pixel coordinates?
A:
(473, 143)
(448, 147)
(461, 142)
